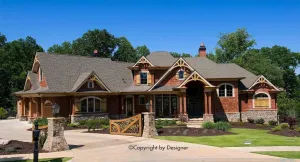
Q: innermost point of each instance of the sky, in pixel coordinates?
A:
(162, 25)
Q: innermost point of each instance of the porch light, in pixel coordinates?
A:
(148, 106)
(55, 109)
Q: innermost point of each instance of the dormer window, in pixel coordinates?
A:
(40, 75)
(180, 74)
(90, 84)
(144, 76)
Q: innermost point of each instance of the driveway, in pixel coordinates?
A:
(90, 147)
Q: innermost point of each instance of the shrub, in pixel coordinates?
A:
(291, 121)
(284, 125)
(93, 124)
(250, 120)
(277, 128)
(260, 125)
(172, 122)
(298, 129)
(208, 125)
(82, 122)
(104, 121)
(41, 121)
(260, 121)
(105, 126)
(3, 113)
(165, 122)
(73, 125)
(224, 126)
(158, 126)
(272, 123)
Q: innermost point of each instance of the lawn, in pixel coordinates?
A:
(47, 160)
(283, 154)
(257, 137)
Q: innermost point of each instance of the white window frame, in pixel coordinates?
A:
(225, 89)
(88, 84)
(253, 99)
(142, 96)
(179, 75)
(146, 77)
(87, 104)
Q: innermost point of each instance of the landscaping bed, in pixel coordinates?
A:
(100, 131)
(286, 132)
(250, 125)
(17, 147)
(181, 131)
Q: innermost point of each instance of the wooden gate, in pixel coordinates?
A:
(130, 126)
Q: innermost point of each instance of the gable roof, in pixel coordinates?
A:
(262, 79)
(161, 58)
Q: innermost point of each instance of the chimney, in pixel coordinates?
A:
(202, 50)
(95, 53)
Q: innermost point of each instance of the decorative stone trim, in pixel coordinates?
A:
(77, 117)
(208, 117)
(267, 115)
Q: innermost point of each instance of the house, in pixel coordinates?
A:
(196, 87)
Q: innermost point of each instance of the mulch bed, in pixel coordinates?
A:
(250, 126)
(287, 133)
(190, 132)
(75, 128)
(17, 147)
(101, 131)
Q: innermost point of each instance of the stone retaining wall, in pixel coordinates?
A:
(77, 117)
(267, 115)
(231, 117)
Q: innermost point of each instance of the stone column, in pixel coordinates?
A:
(56, 140)
(149, 130)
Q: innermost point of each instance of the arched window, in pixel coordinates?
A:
(261, 100)
(90, 84)
(90, 104)
(225, 90)
(181, 74)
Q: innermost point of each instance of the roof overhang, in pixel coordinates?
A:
(225, 79)
(262, 80)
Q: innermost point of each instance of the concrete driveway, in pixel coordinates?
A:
(90, 147)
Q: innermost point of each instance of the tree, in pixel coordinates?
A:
(177, 55)
(185, 55)
(5, 92)
(142, 51)
(64, 48)
(125, 51)
(211, 56)
(100, 40)
(232, 45)
(2, 39)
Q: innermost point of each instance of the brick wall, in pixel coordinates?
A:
(97, 87)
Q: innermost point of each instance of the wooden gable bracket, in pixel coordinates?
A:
(143, 60)
(195, 76)
(262, 80)
(94, 78)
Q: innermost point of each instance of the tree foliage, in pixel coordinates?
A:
(64, 48)
(177, 55)
(125, 51)
(142, 51)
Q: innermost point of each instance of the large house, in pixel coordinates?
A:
(194, 87)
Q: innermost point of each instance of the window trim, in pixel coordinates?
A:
(253, 99)
(179, 75)
(88, 84)
(146, 77)
(87, 104)
(226, 89)
(140, 96)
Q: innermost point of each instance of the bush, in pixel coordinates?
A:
(250, 120)
(298, 129)
(3, 113)
(208, 125)
(277, 128)
(82, 122)
(72, 125)
(104, 121)
(260, 121)
(224, 126)
(105, 126)
(158, 126)
(41, 121)
(292, 122)
(284, 125)
(93, 124)
(272, 123)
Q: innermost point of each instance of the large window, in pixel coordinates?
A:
(166, 105)
(90, 104)
(180, 74)
(261, 100)
(144, 76)
(225, 90)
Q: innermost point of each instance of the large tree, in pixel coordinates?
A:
(64, 48)
(100, 40)
(125, 51)
(177, 55)
(232, 45)
(2, 39)
(142, 51)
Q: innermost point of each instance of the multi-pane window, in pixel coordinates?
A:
(261, 100)
(90, 104)
(181, 74)
(143, 76)
(142, 100)
(225, 90)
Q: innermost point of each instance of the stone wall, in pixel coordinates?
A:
(267, 115)
(231, 117)
(77, 117)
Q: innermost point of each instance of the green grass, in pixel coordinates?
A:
(283, 154)
(47, 160)
(257, 137)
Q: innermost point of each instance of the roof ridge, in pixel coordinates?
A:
(71, 55)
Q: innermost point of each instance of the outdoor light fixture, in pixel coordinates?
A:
(247, 142)
(55, 109)
(148, 106)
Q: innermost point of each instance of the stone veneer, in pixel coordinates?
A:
(77, 117)
(267, 115)
(149, 129)
(231, 117)
(208, 117)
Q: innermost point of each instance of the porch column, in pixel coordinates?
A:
(209, 103)
(151, 103)
(184, 103)
(208, 116)
(205, 103)
(42, 107)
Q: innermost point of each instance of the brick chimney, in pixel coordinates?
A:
(202, 50)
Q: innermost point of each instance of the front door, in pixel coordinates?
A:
(129, 106)
(195, 101)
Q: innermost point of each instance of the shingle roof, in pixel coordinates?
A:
(133, 88)
(163, 88)
(161, 58)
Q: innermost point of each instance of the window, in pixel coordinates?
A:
(142, 100)
(90, 104)
(261, 100)
(90, 84)
(144, 76)
(180, 74)
(166, 105)
(225, 90)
